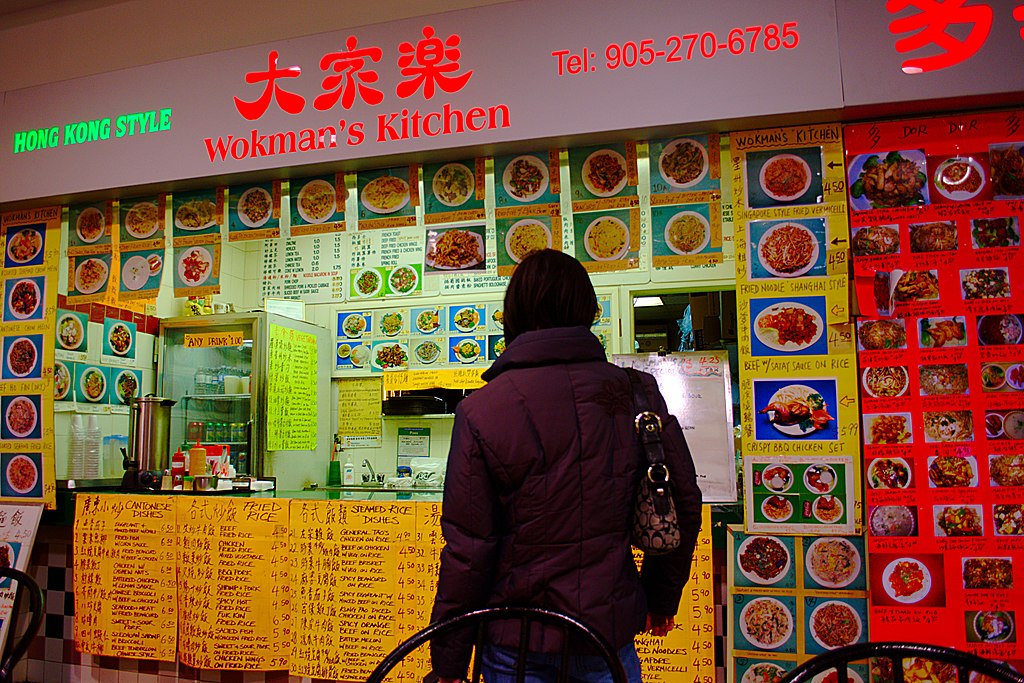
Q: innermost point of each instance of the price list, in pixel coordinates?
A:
(233, 588)
(313, 268)
(345, 558)
(291, 390)
(359, 409)
(125, 587)
(272, 284)
(687, 653)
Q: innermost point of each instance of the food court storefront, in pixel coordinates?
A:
(669, 147)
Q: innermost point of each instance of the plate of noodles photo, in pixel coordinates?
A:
(788, 250)
(606, 239)
(454, 249)
(386, 194)
(687, 232)
(683, 163)
(525, 237)
(785, 177)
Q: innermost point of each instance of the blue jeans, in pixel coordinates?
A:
(499, 666)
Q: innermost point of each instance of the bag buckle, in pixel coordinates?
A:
(663, 471)
(647, 421)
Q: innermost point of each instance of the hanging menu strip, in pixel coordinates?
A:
(125, 589)
(233, 589)
(291, 390)
(359, 410)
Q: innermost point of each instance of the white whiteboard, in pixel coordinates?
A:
(698, 391)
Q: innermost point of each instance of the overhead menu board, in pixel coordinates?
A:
(938, 263)
(126, 598)
(291, 390)
(233, 583)
(698, 392)
(798, 396)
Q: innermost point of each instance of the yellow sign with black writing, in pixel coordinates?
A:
(208, 340)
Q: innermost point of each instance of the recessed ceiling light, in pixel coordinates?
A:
(647, 301)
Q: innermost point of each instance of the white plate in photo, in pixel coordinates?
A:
(520, 178)
(780, 197)
(820, 478)
(443, 237)
(697, 246)
(912, 565)
(775, 573)
(70, 333)
(793, 429)
(254, 194)
(896, 372)
(451, 196)
(467, 351)
(135, 272)
(196, 214)
(21, 417)
(195, 256)
(360, 355)
(142, 220)
(22, 474)
(466, 319)
(353, 325)
(820, 628)
(959, 178)
(403, 280)
(24, 299)
(61, 380)
(769, 336)
(607, 228)
(427, 351)
(317, 201)
(25, 347)
(766, 259)
(761, 611)
(822, 556)
(96, 381)
(126, 386)
(592, 159)
(385, 194)
(777, 478)
(390, 356)
(24, 244)
(120, 339)
(367, 282)
(784, 512)
(667, 157)
(90, 225)
(522, 238)
(91, 275)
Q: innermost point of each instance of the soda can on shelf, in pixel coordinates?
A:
(196, 431)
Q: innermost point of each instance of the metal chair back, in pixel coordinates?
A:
(839, 659)
(527, 617)
(29, 589)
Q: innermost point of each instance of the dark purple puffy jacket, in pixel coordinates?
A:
(539, 494)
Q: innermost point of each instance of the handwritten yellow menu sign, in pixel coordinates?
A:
(291, 390)
(359, 410)
(233, 590)
(125, 592)
(206, 340)
(687, 653)
(361, 577)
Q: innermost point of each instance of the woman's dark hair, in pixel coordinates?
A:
(548, 289)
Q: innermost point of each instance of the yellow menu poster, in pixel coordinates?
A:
(233, 589)
(125, 587)
(687, 653)
(798, 396)
(291, 390)
(359, 411)
(31, 244)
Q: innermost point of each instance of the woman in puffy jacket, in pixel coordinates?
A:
(541, 485)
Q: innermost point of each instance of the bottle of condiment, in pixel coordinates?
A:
(348, 476)
(177, 469)
(197, 460)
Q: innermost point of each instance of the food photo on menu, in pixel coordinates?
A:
(785, 177)
(91, 274)
(22, 476)
(799, 492)
(523, 179)
(959, 177)
(910, 580)
(71, 331)
(140, 270)
(788, 326)
(787, 249)
(603, 236)
(682, 164)
(521, 236)
(24, 298)
(764, 622)
(196, 266)
(22, 357)
(22, 417)
(888, 180)
(141, 220)
(832, 623)
(24, 245)
(683, 230)
(797, 409)
(196, 213)
(834, 562)
(601, 172)
(88, 226)
(763, 560)
(386, 192)
(455, 249)
(253, 207)
(451, 187)
(317, 200)
(119, 338)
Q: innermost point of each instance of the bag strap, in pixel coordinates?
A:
(647, 424)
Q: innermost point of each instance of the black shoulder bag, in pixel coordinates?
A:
(655, 523)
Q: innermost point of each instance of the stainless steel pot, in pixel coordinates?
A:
(149, 432)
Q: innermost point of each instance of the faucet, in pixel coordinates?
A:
(367, 465)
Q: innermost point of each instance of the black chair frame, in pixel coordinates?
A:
(17, 647)
(527, 617)
(965, 662)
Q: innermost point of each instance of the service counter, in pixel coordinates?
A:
(321, 583)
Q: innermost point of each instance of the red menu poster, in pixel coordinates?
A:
(936, 213)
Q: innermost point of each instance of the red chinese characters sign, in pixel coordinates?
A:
(430, 64)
